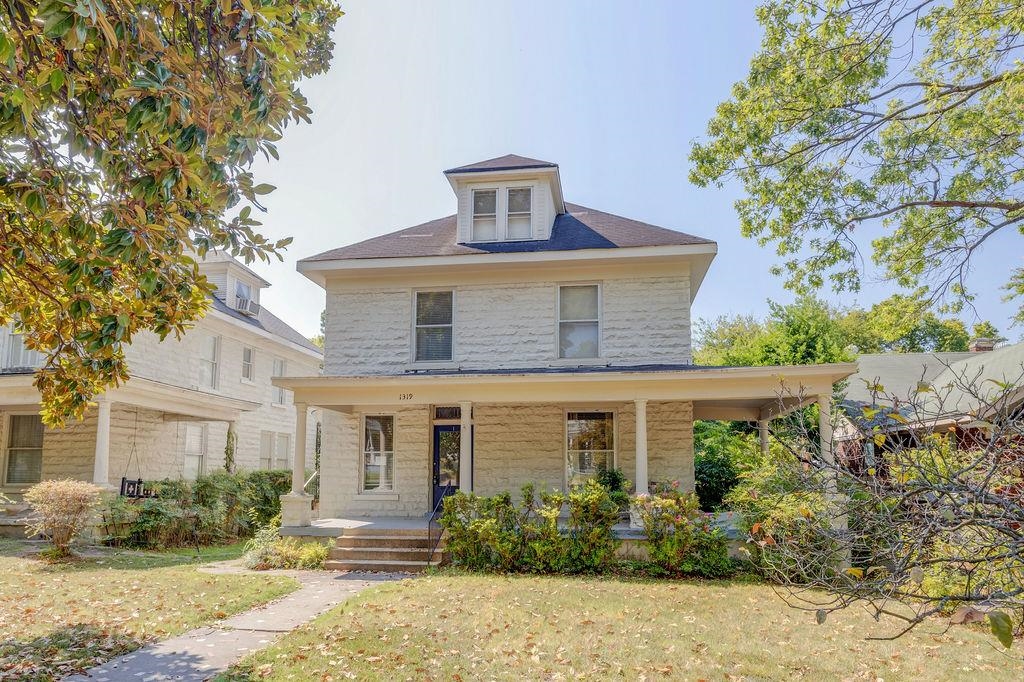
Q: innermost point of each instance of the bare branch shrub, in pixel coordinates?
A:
(62, 511)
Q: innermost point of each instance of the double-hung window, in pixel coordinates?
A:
(485, 215)
(275, 450)
(579, 326)
(243, 291)
(278, 395)
(18, 356)
(520, 222)
(590, 444)
(195, 450)
(248, 363)
(24, 450)
(434, 326)
(209, 355)
(378, 471)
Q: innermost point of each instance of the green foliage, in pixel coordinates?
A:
(810, 331)
(616, 483)
(213, 509)
(267, 549)
(890, 127)
(681, 541)
(714, 476)
(127, 135)
(494, 534)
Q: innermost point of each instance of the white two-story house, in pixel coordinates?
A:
(172, 418)
(521, 339)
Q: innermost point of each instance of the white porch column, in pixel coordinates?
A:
(762, 432)
(101, 462)
(466, 447)
(825, 429)
(296, 506)
(642, 480)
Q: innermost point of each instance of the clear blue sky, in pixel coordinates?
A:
(612, 92)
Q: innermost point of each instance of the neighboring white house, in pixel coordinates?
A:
(171, 419)
(558, 334)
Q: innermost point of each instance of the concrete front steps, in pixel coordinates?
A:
(387, 550)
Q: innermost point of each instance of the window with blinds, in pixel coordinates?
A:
(485, 215)
(579, 321)
(520, 220)
(24, 450)
(434, 326)
(209, 356)
(195, 450)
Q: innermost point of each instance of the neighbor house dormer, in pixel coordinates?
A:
(507, 199)
(235, 284)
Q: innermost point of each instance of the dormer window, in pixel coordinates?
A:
(485, 215)
(243, 291)
(520, 201)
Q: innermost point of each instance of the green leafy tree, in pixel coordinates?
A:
(127, 129)
(892, 125)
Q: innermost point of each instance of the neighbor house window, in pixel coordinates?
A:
(485, 215)
(275, 450)
(520, 224)
(590, 444)
(18, 356)
(243, 291)
(209, 352)
(378, 453)
(278, 396)
(248, 363)
(579, 321)
(434, 326)
(24, 450)
(195, 450)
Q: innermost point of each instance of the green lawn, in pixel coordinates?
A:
(59, 618)
(450, 626)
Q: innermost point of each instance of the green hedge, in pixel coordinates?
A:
(215, 508)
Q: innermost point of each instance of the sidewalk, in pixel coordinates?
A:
(200, 654)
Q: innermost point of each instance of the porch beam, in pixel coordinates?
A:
(642, 480)
(466, 446)
(101, 459)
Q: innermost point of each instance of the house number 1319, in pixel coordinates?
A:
(405, 396)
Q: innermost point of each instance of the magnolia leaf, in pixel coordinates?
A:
(966, 615)
(263, 188)
(857, 573)
(1002, 627)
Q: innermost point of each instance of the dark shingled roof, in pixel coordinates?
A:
(268, 322)
(507, 162)
(579, 228)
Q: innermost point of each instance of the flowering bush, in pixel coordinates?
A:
(62, 510)
(681, 540)
(267, 549)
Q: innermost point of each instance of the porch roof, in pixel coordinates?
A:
(733, 393)
(18, 391)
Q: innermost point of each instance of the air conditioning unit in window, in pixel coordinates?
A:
(247, 307)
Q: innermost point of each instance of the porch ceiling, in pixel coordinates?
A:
(739, 393)
(18, 393)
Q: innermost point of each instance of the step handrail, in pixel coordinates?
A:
(432, 522)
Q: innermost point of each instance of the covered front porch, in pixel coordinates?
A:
(393, 446)
(142, 429)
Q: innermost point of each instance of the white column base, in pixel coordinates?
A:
(296, 510)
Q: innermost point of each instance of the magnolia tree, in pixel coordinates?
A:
(127, 132)
(917, 512)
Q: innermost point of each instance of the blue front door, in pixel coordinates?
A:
(446, 460)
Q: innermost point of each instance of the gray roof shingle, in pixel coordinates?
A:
(897, 373)
(268, 322)
(507, 162)
(578, 228)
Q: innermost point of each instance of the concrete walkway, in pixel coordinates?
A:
(200, 654)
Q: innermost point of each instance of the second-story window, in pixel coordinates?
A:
(278, 394)
(18, 356)
(520, 223)
(209, 352)
(248, 363)
(434, 326)
(243, 291)
(485, 215)
(579, 325)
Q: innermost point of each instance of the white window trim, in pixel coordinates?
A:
(276, 391)
(5, 444)
(433, 364)
(614, 411)
(599, 358)
(252, 366)
(204, 454)
(501, 211)
(388, 495)
(215, 373)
